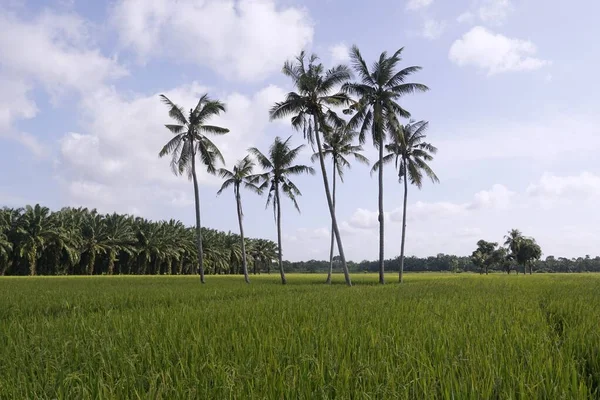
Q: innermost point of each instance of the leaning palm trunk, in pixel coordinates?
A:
(278, 205)
(381, 216)
(403, 224)
(239, 212)
(198, 226)
(328, 281)
(331, 206)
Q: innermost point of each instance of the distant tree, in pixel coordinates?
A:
(339, 145)
(512, 241)
(379, 91)
(411, 155)
(485, 256)
(279, 167)
(241, 174)
(528, 253)
(190, 140)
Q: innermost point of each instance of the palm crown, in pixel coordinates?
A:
(317, 92)
(339, 144)
(242, 173)
(410, 153)
(279, 167)
(190, 135)
(378, 92)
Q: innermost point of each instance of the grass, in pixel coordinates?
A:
(437, 336)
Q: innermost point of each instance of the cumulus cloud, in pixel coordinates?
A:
(59, 57)
(494, 53)
(584, 185)
(364, 219)
(418, 4)
(243, 39)
(117, 152)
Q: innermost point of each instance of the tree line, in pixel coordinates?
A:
(78, 241)
(369, 97)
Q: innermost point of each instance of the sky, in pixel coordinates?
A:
(513, 110)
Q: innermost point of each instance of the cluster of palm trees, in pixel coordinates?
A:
(34, 240)
(519, 251)
(372, 107)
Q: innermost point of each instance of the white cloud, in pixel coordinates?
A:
(433, 29)
(245, 39)
(584, 185)
(53, 51)
(364, 219)
(418, 4)
(495, 11)
(60, 54)
(117, 152)
(499, 197)
(340, 54)
(494, 53)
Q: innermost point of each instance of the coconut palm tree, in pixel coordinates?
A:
(279, 167)
(310, 106)
(378, 92)
(339, 144)
(512, 241)
(411, 155)
(191, 140)
(241, 174)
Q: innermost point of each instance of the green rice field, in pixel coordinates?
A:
(436, 336)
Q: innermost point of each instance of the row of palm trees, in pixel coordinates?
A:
(372, 106)
(34, 240)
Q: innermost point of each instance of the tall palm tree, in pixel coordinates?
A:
(410, 154)
(378, 92)
(241, 174)
(339, 145)
(279, 167)
(317, 91)
(190, 139)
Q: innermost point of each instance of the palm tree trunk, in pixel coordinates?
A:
(180, 265)
(111, 262)
(198, 226)
(238, 200)
(401, 277)
(278, 205)
(32, 261)
(381, 216)
(330, 204)
(91, 262)
(328, 281)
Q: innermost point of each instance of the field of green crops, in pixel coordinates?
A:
(436, 336)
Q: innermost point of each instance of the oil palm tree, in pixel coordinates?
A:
(411, 155)
(35, 231)
(241, 174)
(279, 168)
(378, 92)
(310, 106)
(120, 238)
(339, 144)
(191, 140)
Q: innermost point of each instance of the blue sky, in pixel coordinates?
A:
(512, 109)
